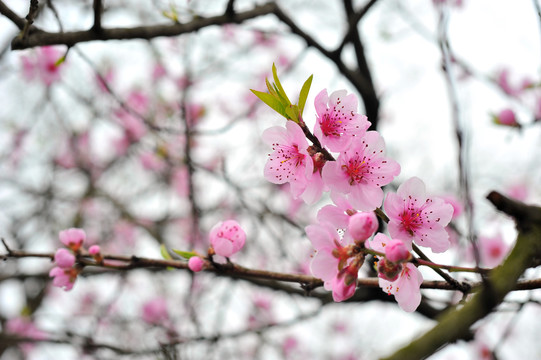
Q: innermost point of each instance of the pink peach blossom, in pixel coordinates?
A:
(405, 285)
(492, 250)
(337, 214)
(64, 258)
(289, 160)
(458, 209)
(227, 238)
(43, 65)
(337, 121)
(406, 289)
(361, 171)
(63, 278)
(72, 238)
(413, 216)
(330, 251)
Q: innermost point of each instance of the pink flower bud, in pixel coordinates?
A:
(72, 238)
(195, 264)
(396, 251)
(362, 225)
(64, 258)
(227, 238)
(506, 117)
(342, 291)
(94, 250)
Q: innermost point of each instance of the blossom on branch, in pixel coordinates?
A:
(413, 216)
(333, 262)
(403, 280)
(72, 238)
(337, 120)
(289, 161)
(361, 171)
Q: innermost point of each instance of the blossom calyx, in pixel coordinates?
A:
(389, 270)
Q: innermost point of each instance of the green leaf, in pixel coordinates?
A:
(304, 93)
(281, 90)
(165, 253)
(271, 88)
(291, 112)
(271, 101)
(185, 254)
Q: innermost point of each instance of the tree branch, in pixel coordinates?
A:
(41, 38)
(7, 12)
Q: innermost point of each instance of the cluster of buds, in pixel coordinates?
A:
(66, 270)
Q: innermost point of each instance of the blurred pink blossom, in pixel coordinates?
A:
(492, 250)
(518, 192)
(63, 278)
(24, 327)
(72, 238)
(152, 162)
(155, 312)
(42, 64)
(64, 258)
(458, 209)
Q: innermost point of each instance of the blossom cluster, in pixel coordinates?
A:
(341, 236)
(66, 270)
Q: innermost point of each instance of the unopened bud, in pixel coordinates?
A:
(362, 225)
(396, 251)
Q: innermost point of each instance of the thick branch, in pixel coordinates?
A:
(41, 38)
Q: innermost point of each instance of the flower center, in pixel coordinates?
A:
(411, 221)
(293, 154)
(330, 126)
(356, 170)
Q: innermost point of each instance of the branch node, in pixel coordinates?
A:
(7, 247)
